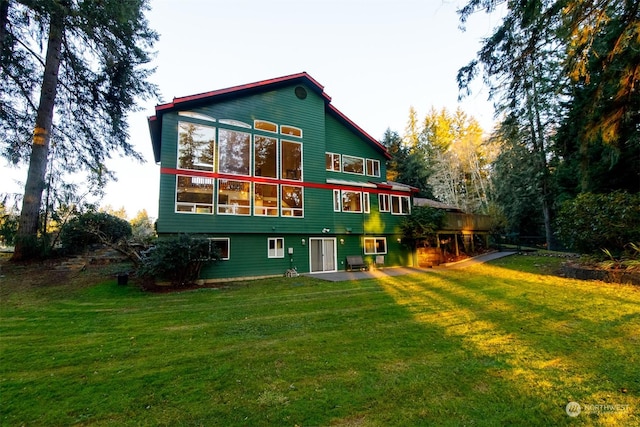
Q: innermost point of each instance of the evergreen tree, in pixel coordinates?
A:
(91, 73)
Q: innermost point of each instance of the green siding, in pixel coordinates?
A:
(248, 245)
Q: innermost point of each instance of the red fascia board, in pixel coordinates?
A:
(344, 119)
(236, 90)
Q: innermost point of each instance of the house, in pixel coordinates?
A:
(276, 177)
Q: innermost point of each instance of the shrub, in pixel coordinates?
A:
(591, 222)
(91, 228)
(178, 260)
(422, 224)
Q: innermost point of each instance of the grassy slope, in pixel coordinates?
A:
(498, 344)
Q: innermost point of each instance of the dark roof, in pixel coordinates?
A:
(184, 102)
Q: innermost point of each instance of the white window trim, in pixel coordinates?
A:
(364, 242)
(231, 206)
(191, 204)
(292, 210)
(275, 253)
(221, 239)
(364, 165)
(381, 204)
(282, 172)
(337, 201)
(361, 203)
(290, 134)
(251, 148)
(365, 203)
(265, 130)
(374, 161)
(400, 204)
(209, 167)
(332, 161)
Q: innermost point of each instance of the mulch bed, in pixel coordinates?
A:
(576, 271)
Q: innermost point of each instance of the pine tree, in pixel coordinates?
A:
(91, 74)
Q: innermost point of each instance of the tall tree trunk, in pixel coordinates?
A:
(26, 239)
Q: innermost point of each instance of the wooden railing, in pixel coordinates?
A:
(454, 221)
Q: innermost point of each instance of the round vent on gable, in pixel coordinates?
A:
(301, 92)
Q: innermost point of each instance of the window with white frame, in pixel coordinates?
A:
(291, 201)
(383, 202)
(219, 248)
(234, 152)
(265, 199)
(291, 160)
(336, 200)
(194, 194)
(275, 247)
(332, 162)
(400, 205)
(233, 197)
(352, 201)
(351, 164)
(365, 202)
(265, 155)
(291, 130)
(375, 245)
(373, 167)
(266, 126)
(196, 145)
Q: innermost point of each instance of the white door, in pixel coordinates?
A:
(323, 254)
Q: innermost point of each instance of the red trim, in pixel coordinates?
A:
(172, 171)
(256, 85)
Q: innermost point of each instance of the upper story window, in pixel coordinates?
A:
(265, 154)
(352, 164)
(373, 167)
(332, 161)
(195, 115)
(290, 130)
(336, 201)
(234, 152)
(236, 123)
(291, 160)
(196, 145)
(266, 126)
(400, 205)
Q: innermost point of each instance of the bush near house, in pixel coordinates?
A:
(177, 260)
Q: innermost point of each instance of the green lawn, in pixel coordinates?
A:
(497, 344)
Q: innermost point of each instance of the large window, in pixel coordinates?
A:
(292, 201)
(332, 161)
(275, 247)
(375, 245)
(194, 194)
(352, 164)
(265, 199)
(352, 201)
(400, 205)
(233, 197)
(234, 152)
(196, 145)
(265, 154)
(291, 160)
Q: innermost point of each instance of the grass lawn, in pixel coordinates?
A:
(505, 343)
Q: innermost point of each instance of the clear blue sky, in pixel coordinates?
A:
(375, 58)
